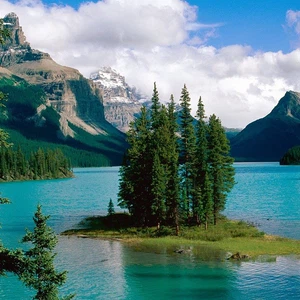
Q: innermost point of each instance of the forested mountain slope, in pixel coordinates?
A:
(52, 103)
(267, 139)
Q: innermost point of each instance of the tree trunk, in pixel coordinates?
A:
(177, 230)
(215, 217)
(176, 221)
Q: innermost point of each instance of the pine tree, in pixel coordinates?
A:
(220, 165)
(159, 152)
(172, 185)
(200, 166)
(135, 173)
(40, 161)
(33, 165)
(155, 107)
(158, 186)
(188, 149)
(40, 273)
(3, 164)
(21, 163)
(110, 208)
(206, 201)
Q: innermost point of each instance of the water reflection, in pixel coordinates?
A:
(95, 269)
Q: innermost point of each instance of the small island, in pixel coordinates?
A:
(174, 184)
(228, 236)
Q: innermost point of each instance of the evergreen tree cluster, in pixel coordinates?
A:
(172, 174)
(291, 157)
(40, 165)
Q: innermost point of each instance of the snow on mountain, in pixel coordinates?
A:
(122, 103)
(114, 87)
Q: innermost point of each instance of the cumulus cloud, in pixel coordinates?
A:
(162, 41)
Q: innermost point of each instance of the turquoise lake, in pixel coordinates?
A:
(266, 194)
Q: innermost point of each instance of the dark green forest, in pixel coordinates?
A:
(40, 165)
(173, 175)
(291, 157)
(78, 157)
(18, 119)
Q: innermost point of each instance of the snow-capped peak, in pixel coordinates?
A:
(114, 87)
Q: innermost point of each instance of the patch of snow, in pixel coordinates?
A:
(118, 99)
(114, 87)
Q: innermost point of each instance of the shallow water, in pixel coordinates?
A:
(267, 194)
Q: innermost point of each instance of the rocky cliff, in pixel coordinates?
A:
(122, 103)
(267, 139)
(76, 100)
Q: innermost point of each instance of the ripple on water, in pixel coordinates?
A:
(270, 280)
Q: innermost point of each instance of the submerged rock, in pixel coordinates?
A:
(182, 251)
(238, 256)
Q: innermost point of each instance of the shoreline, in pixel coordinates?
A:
(238, 237)
(38, 179)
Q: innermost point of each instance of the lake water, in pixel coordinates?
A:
(266, 194)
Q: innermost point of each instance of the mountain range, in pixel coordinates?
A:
(52, 105)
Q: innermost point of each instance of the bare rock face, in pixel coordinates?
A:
(16, 49)
(121, 114)
(122, 103)
(75, 98)
(17, 38)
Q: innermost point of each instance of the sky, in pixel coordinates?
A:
(239, 56)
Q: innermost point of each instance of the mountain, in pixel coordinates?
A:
(122, 103)
(72, 104)
(267, 139)
(231, 132)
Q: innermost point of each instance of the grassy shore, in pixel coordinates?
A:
(226, 236)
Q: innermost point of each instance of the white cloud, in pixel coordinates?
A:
(162, 41)
(293, 20)
(293, 27)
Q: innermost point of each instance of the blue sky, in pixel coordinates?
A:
(240, 56)
(257, 23)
